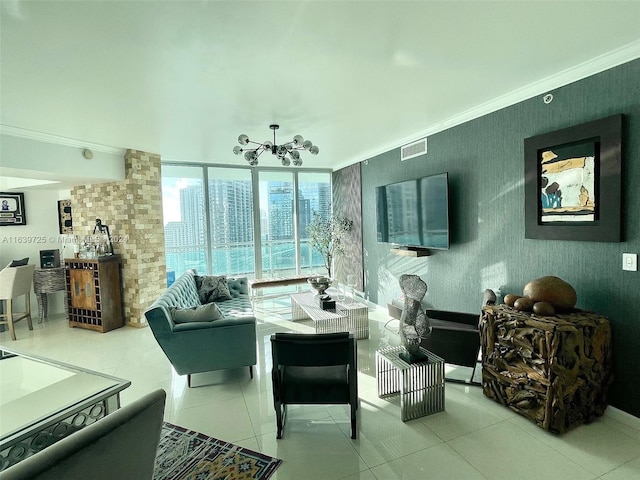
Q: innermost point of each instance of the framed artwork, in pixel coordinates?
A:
(573, 182)
(12, 209)
(64, 216)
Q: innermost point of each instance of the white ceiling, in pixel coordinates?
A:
(185, 78)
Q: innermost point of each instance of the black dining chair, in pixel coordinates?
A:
(314, 369)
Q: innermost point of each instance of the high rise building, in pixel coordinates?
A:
(192, 213)
(231, 205)
(280, 211)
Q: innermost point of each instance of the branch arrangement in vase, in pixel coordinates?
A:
(326, 235)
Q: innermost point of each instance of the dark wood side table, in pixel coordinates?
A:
(95, 292)
(554, 370)
(48, 280)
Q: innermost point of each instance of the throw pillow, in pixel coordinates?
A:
(201, 313)
(212, 288)
(19, 263)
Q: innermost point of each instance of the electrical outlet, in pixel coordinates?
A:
(630, 262)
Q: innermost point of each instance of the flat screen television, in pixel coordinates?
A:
(414, 213)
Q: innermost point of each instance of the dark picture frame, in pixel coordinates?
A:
(573, 184)
(12, 209)
(65, 219)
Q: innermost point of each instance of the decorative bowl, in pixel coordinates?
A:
(319, 284)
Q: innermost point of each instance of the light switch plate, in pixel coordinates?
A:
(630, 262)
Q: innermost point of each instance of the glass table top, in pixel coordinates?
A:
(35, 390)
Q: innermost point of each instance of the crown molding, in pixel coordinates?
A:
(583, 70)
(58, 140)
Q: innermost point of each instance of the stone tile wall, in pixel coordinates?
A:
(133, 211)
(347, 203)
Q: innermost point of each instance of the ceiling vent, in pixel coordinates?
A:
(413, 149)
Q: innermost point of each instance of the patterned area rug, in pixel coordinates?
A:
(188, 455)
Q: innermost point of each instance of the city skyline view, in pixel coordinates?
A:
(229, 230)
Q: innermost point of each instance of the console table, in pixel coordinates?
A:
(48, 280)
(556, 370)
(94, 292)
(43, 401)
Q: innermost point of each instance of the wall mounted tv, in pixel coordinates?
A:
(414, 213)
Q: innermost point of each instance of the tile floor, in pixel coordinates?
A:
(474, 438)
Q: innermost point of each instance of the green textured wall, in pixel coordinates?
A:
(484, 158)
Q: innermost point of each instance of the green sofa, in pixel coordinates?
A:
(203, 346)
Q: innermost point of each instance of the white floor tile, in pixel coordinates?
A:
(474, 438)
(628, 471)
(438, 462)
(312, 451)
(598, 447)
(504, 451)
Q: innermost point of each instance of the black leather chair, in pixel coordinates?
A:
(314, 369)
(454, 337)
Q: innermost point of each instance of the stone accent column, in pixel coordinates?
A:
(133, 211)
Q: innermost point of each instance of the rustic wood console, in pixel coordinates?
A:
(94, 293)
(553, 370)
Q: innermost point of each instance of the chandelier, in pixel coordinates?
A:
(286, 153)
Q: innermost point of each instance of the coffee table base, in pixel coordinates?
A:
(347, 317)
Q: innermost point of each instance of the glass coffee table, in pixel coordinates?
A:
(43, 401)
(349, 316)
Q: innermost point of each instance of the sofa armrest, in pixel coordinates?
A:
(159, 319)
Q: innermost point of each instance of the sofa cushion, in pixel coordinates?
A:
(212, 287)
(201, 313)
(19, 263)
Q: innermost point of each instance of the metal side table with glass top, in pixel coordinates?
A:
(419, 385)
(43, 401)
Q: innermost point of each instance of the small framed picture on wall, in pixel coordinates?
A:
(64, 217)
(12, 209)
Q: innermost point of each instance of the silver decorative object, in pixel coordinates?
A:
(319, 284)
(414, 323)
(103, 240)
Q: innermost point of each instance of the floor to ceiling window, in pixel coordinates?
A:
(314, 196)
(231, 221)
(277, 226)
(183, 209)
(241, 221)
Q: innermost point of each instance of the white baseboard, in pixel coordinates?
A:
(623, 417)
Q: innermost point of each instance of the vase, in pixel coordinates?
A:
(319, 284)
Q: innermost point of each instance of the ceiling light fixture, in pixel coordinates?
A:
(286, 153)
